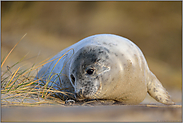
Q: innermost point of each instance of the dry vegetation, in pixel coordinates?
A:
(20, 87)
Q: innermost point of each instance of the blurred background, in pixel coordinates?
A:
(156, 27)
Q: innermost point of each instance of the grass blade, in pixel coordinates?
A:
(12, 50)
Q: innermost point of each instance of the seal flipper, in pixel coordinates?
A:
(157, 91)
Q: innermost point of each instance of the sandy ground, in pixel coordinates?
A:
(115, 113)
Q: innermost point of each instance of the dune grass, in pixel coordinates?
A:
(19, 87)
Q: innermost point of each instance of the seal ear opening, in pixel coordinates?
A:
(72, 79)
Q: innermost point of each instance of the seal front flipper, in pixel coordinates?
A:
(157, 91)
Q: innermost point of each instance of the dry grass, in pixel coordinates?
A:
(19, 87)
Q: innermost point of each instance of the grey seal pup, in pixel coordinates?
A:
(104, 66)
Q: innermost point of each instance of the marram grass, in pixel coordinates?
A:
(19, 87)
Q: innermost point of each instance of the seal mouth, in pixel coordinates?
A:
(80, 95)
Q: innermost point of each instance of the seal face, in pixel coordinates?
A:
(104, 66)
(86, 70)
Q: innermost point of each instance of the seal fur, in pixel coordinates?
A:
(104, 66)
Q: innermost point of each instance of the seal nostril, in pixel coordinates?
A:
(79, 94)
(73, 79)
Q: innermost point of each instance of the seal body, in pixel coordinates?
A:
(104, 66)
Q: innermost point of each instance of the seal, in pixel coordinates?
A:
(104, 66)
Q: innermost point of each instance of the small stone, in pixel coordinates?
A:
(69, 102)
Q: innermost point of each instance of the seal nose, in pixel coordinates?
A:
(79, 94)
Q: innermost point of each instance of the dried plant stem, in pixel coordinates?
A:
(12, 50)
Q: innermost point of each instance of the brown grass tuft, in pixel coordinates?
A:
(19, 87)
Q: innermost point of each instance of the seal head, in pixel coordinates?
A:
(88, 69)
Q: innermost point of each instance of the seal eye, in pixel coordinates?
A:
(90, 71)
